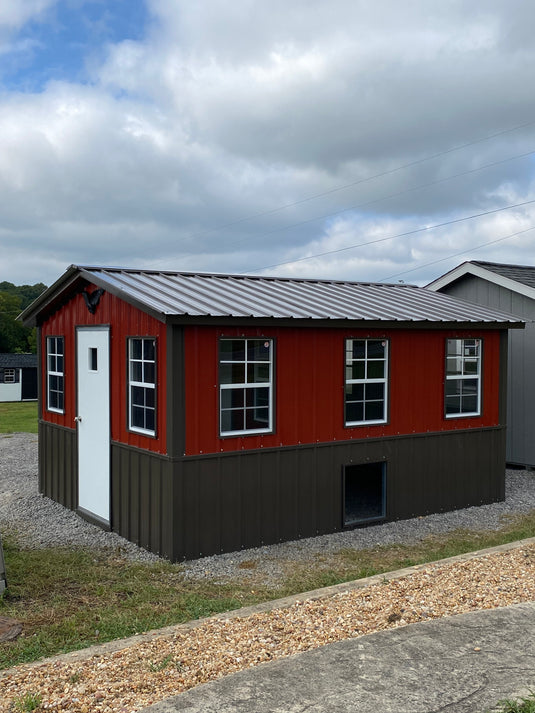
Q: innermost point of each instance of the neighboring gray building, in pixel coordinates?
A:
(510, 288)
(18, 377)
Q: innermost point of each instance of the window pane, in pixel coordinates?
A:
(232, 373)
(454, 347)
(354, 412)
(136, 371)
(453, 365)
(469, 404)
(258, 349)
(60, 400)
(138, 395)
(150, 397)
(59, 364)
(59, 345)
(453, 404)
(469, 386)
(232, 421)
(52, 363)
(232, 398)
(374, 410)
(232, 349)
(376, 369)
(136, 349)
(150, 419)
(374, 391)
(138, 417)
(358, 370)
(149, 373)
(257, 373)
(148, 349)
(376, 349)
(471, 366)
(355, 392)
(257, 397)
(359, 348)
(257, 417)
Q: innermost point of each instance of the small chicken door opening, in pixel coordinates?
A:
(364, 488)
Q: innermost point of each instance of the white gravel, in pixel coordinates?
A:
(37, 521)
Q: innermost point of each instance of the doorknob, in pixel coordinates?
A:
(77, 419)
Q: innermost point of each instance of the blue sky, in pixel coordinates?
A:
(348, 139)
(67, 39)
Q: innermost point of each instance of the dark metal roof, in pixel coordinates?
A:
(525, 274)
(167, 294)
(18, 361)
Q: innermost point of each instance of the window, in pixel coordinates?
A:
(463, 377)
(366, 384)
(9, 376)
(55, 373)
(246, 385)
(142, 385)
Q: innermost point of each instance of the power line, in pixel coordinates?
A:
(402, 167)
(382, 198)
(462, 252)
(397, 235)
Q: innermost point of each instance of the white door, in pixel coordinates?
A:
(93, 422)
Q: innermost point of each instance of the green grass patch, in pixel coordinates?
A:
(521, 705)
(70, 599)
(19, 417)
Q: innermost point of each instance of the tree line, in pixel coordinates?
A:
(15, 338)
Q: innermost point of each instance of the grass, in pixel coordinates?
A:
(70, 599)
(27, 702)
(522, 705)
(18, 417)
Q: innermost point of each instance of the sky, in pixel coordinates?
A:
(348, 139)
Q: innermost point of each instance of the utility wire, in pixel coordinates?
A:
(463, 252)
(397, 235)
(379, 200)
(402, 167)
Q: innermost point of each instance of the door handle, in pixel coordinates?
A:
(77, 419)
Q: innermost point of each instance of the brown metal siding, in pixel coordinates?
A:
(231, 501)
(141, 498)
(58, 464)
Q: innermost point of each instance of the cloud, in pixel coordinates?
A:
(236, 137)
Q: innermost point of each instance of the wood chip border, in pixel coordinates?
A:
(125, 676)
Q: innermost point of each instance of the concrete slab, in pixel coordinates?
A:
(461, 664)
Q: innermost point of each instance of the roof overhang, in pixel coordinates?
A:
(469, 268)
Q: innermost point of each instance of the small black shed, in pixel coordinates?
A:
(18, 377)
(509, 288)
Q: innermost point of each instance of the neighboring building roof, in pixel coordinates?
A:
(187, 296)
(518, 278)
(18, 361)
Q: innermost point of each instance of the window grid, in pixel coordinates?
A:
(9, 376)
(142, 385)
(463, 377)
(55, 374)
(366, 381)
(246, 386)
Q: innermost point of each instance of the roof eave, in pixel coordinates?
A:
(469, 268)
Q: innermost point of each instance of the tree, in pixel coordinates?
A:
(14, 336)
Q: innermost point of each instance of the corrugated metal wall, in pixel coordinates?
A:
(125, 321)
(232, 501)
(521, 372)
(309, 386)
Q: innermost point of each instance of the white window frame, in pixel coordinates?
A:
(53, 356)
(144, 384)
(349, 361)
(10, 376)
(461, 375)
(247, 385)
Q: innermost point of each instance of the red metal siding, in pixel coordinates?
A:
(124, 321)
(309, 386)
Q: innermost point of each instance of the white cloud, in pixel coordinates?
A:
(227, 111)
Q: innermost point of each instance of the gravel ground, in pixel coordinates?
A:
(40, 522)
